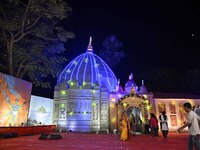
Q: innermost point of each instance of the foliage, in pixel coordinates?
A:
(32, 41)
(111, 52)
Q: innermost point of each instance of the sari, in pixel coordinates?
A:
(125, 128)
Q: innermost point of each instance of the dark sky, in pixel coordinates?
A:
(153, 33)
(163, 34)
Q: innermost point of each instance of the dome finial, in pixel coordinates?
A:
(131, 76)
(132, 90)
(118, 81)
(142, 82)
(90, 48)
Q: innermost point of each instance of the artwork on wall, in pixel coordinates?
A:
(172, 108)
(40, 111)
(183, 114)
(161, 107)
(14, 100)
(173, 120)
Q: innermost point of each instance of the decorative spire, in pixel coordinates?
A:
(119, 88)
(118, 81)
(132, 90)
(142, 82)
(90, 48)
(131, 76)
(143, 89)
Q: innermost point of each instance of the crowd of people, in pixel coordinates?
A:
(193, 121)
(128, 125)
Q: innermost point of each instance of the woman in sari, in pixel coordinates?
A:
(125, 127)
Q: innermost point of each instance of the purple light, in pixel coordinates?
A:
(89, 71)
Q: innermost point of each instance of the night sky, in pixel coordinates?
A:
(155, 34)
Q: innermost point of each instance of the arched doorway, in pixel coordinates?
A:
(139, 105)
(136, 111)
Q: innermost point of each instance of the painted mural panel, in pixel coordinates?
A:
(14, 100)
(183, 114)
(40, 111)
(173, 120)
(172, 108)
(161, 107)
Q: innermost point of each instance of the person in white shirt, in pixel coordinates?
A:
(163, 124)
(193, 127)
(197, 110)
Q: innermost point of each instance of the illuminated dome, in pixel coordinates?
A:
(130, 83)
(88, 68)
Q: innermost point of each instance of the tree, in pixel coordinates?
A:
(111, 52)
(31, 39)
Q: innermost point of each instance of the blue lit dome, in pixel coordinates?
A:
(130, 83)
(88, 68)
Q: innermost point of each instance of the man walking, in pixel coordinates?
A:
(193, 127)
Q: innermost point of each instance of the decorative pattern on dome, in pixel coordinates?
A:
(89, 68)
(130, 83)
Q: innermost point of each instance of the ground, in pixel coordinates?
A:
(86, 141)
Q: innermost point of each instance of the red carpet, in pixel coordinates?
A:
(79, 141)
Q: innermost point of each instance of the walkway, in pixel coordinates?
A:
(80, 141)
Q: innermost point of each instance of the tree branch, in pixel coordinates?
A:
(45, 38)
(22, 33)
(21, 36)
(24, 19)
(4, 15)
(20, 67)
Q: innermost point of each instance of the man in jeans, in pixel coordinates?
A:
(193, 127)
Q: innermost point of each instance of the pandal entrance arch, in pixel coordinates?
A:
(135, 101)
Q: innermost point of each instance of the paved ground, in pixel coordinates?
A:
(80, 141)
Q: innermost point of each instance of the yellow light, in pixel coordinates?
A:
(94, 104)
(148, 107)
(71, 113)
(112, 106)
(173, 102)
(62, 105)
(113, 119)
(93, 91)
(71, 83)
(113, 99)
(84, 83)
(63, 92)
(145, 96)
(84, 112)
(125, 104)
